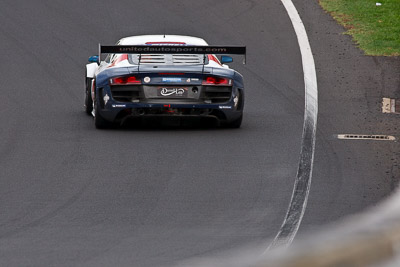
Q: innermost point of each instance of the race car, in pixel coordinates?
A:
(166, 76)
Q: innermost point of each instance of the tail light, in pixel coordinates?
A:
(214, 80)
(125, 80)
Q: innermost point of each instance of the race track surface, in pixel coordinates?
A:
(71, 195)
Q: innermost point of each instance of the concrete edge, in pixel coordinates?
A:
(367, 239)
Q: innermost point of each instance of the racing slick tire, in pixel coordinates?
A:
(88, 97)
(99, 121)
(236, 123)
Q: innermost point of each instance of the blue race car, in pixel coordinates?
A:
(163, 76)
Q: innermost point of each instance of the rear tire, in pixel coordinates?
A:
(88, 97)
(236, 123)
(99, 121)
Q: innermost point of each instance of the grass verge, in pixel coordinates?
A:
(374, 24)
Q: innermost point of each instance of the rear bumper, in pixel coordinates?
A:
(227, 108)
(118, 112)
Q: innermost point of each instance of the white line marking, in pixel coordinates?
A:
(298, 202)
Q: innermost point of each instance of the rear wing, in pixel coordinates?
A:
(172, 49)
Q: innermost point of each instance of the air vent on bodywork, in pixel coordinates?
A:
(168, 59)
(152, 59)
(126, 93)
(217, 94)
(187, 59)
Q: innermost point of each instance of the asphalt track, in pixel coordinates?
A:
(71, 195)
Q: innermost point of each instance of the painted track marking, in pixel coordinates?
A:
(298, 202)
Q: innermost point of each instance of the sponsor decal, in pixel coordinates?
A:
(188, 80)
(195, 79)
(172, 80)
(106, 98)
(179, 92)
(225, 107)
(146, 79)
(118, 106)
(179, 49)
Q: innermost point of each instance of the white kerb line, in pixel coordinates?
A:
(299, 198)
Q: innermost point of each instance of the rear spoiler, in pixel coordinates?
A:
(172, 49)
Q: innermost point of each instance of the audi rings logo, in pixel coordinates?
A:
(173, 91)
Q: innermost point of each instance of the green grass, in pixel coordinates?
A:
(376, 29)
